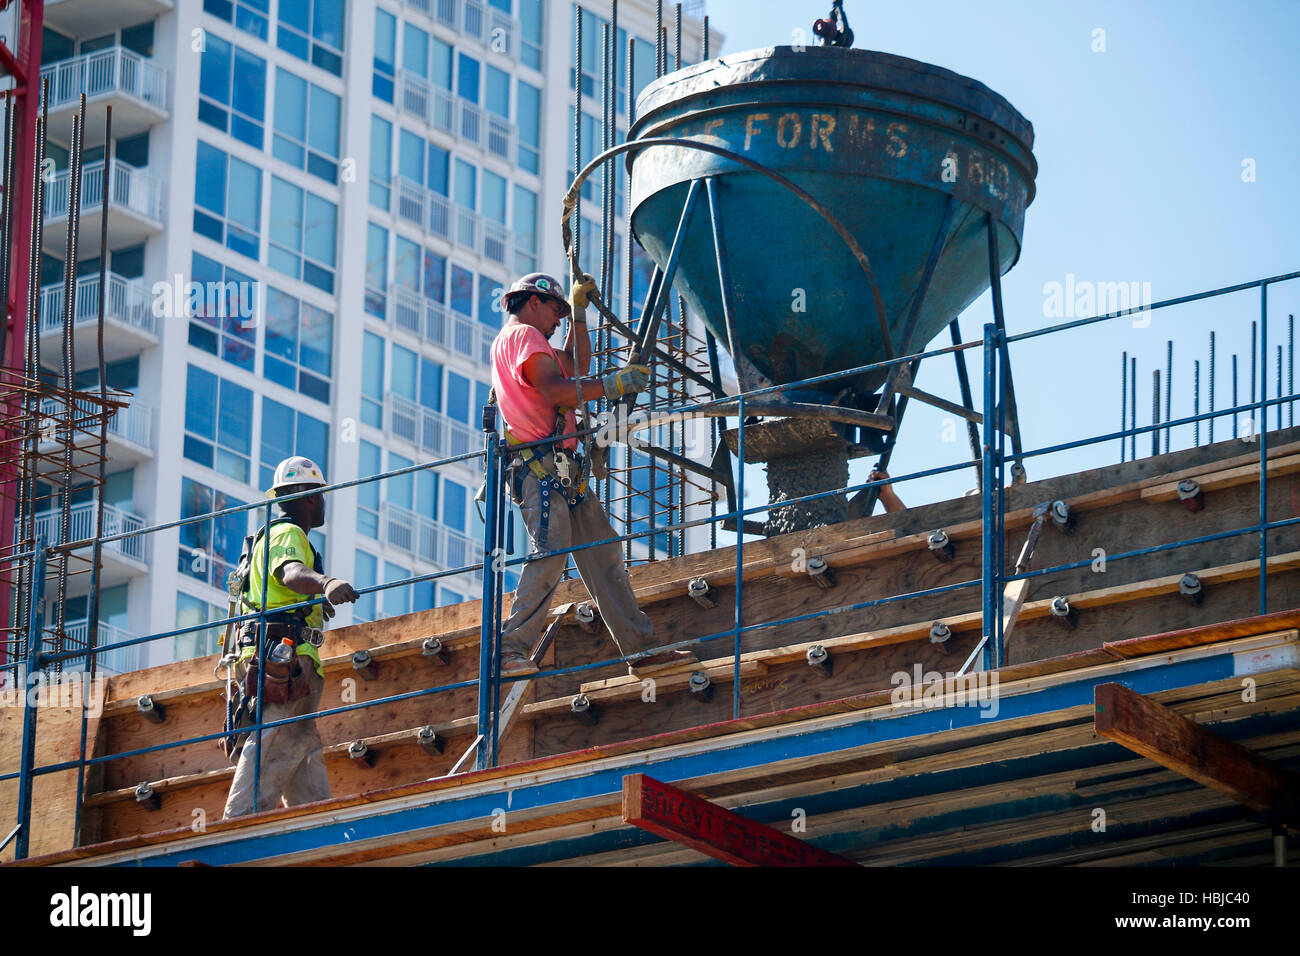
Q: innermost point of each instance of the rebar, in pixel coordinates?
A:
(1169, 384)
(1123, 405)
(1155, 412)
(1211, 387)
(1234, 394)
(1133, 412)
(1196, 402)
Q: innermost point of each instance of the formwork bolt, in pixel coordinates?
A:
(150, 710)
(821, 573)
(1189, 493)
(585, 615)
(701, 686)
(433, 649)
(147, 797)
(1061, 610)
(818, 659)
(940, 633)
(1018, 476)
(360, 753)
(1061, 516)
(1190, 587)
(941, 545)
(582, 708)
(427, 738)
(701, 593)
(365, 665)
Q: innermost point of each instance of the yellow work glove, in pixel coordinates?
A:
(580, 297)
(627, 380)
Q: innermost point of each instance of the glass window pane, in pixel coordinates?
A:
(327, 24)
(381, 148)
(214, 70)
(439, 164)
(286, 214)
(406, 264)
(454, 497)
(250, 85)
(314, 441)
(235, 420)
(277, 433)
(385, 40)
(497, 94)
(415, 50)
(462, 291)
(291, 104)
(430, 384)
(467, 77)
(399, 486)
(316, 335)
(494, 197)
(281, 325)
(376, 257)
(210, 178)
(440, 64)
(410, 161)
(245, 195)
(404, 372)
(372, 366)
(530, 114)
(201, 402)
(323, 133)
(457, 397)
(435, 276)
(321, 229)
(466, 185)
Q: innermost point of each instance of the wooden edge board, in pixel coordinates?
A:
(1226, 478)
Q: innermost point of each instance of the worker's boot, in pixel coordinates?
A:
(514, 664)
(662, 661)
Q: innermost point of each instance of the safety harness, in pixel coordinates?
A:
(560, 482)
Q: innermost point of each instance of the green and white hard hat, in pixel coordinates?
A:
(537, 283)
(296, 471)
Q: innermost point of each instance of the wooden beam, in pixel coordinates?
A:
(1170, 739)
(687, 819)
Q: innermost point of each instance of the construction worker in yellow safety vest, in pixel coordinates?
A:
(292, 766)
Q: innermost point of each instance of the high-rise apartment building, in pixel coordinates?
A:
(314, 206)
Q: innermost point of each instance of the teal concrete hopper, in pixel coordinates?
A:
(912, 159)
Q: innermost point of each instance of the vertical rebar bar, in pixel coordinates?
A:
(1290, 368)
(1123, 406)
(1196, 403)
(1169, 389)
(1210, 386)
(577, 128)
(630, 289)
(1155, 412)
(1279, 385)
(705, 43)
(606, 168)
(677, 51)
(659, 38)
(1234, 394)
(1133, 409)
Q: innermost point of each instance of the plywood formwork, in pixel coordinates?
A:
(1117, 611)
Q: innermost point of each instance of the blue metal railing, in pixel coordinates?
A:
(993, 577)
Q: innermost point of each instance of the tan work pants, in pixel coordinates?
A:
(292, 766)
(601, 569)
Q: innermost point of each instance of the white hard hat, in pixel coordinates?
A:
(294, 471)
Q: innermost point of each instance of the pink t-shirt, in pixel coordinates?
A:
(528, 415)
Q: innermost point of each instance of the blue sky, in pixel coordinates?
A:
(1140, 151)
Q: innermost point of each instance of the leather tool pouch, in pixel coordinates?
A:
(283, 683)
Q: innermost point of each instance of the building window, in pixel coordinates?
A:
(368, 465)
(218, 424)
(497, 92)
(247, 15)
(455, 497)
(209, 550)
(525, 218)
(381, 161)
(189, 612)
(299, 345)
(304, 231)
(372, 381)
(467, 77)
(529, 124)
(490, 291)
(232, 91)
(530, 22)
(385, 55)
(462, 291)
(364, 575)
(415, 50)
(227, 200)
(287, 432)
(224, 320)
(306, 126)
(416, 378)
(376, 270)
(312, 30)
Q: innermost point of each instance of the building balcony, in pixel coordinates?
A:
(492, 28)
(122, 559)
(86, 18)
(438, 216)
(427, 540)
(135, 196)
(433, 433)
(134, 86)
(118, 661)
(129, 434)
(433, 323)
(455, 115)
(129, 324)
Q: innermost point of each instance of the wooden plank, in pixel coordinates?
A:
(1225, 478)
(683, 817)
(1170, 739)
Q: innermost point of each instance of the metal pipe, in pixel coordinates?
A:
(1234, 394)
(488, 659)
(1133, 411)
(1263, 449)
(27, 757)
(740, 552)
(630, 286)
(577, 133)
(1155, 412)
(987, 536)
(1290, 368)
(967, 399)
(1279, 385)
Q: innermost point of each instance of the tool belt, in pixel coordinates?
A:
(283, 682)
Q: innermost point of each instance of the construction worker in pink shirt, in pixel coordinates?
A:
(537, 389)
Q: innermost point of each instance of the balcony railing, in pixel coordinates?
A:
(117, 661)
(106, 72)
(133, 423)
(436, 215)
(128, 188)
(125, 301)
(432, 432)
(437, 325)
(494, 28)
(427, 540)
(455, 115)
(82, 526)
